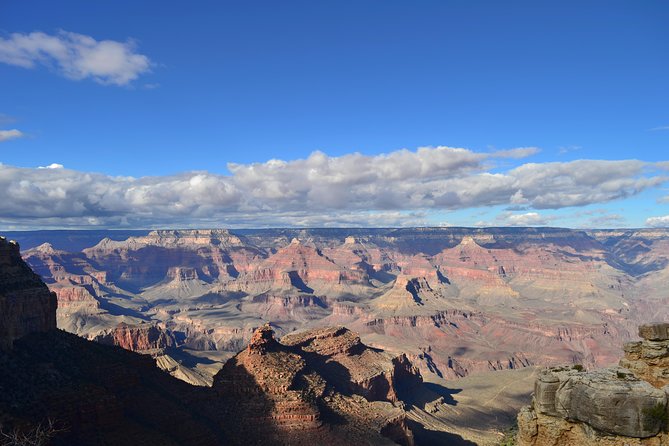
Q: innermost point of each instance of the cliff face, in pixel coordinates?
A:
(624, 405)
(138, 338)
(26, 304)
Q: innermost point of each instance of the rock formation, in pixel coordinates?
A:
(648, 359)
(361, 370)
(137, 338)
(294, 388)
(613, 406)
(26, 304)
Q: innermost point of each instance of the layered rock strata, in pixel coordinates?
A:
(648, 359)
(138, 338)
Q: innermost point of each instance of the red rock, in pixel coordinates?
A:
(137, 338)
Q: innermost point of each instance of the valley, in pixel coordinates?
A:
(458, 302)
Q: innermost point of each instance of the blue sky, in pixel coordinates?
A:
(247, 82)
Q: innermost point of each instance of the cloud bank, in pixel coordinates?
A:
(76, 56)
(394, 189)
(658, 222)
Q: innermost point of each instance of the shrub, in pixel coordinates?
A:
(509, 438)
(655, 415)
(39, 435)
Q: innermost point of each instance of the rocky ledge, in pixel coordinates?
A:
(624, 405)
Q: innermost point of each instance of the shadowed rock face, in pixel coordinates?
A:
(352, 367)
(295, 388)
(26, 304)
(615, 405)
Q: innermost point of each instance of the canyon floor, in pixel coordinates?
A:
(476, 310)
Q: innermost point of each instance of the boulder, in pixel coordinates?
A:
(658, 331)
(612, 400)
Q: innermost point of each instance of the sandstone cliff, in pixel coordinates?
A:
(624, 405)
(137, 338)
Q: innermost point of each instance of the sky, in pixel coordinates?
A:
(388, 113)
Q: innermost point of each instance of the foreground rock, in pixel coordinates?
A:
(26, 304)
(612, 406)
(649, 359)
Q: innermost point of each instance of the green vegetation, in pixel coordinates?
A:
(621, 375)
(510, 435)
(655, 415)
(578, 367)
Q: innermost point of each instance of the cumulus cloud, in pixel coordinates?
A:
(76, 56)
(6, 135)
(398, 188)
(658, 222)
(527, 219)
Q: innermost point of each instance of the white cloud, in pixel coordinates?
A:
(658, 222)
(527, 219)
(6, 135)
(52, 166)
(398, 188)
(76, 56)
(660, 128)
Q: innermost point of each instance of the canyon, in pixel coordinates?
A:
(458, 303)
(321, 385)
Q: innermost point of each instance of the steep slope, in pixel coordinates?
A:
(26, 305)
